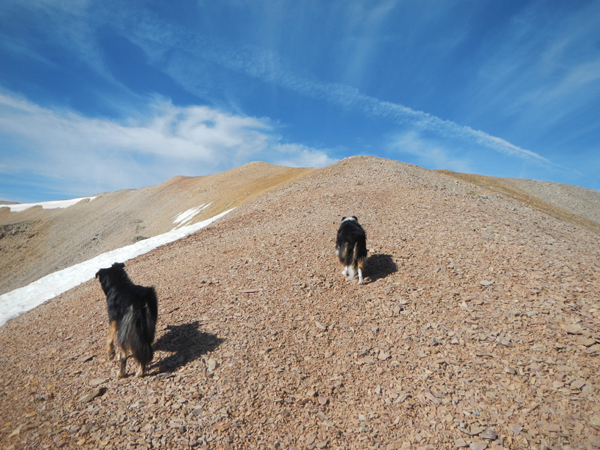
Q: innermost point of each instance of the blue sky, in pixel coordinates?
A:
(105, 95)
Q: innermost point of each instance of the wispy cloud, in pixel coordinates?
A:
(106, 155)
(428, 153)
(269, 67)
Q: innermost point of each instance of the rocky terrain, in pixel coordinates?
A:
(477, 328)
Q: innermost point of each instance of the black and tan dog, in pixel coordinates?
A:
(351, 248)
(132, 314)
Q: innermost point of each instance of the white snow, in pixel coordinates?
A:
(186, 216)
(56, 204)
(21, 300)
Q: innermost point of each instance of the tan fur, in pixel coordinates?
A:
(110, 340)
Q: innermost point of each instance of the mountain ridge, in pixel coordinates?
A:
(478, 327)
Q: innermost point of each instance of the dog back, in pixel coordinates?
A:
(351, 242)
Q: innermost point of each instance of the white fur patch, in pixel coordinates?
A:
(348, 218)
(351, 273)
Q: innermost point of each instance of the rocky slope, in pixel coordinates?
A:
(477, 328)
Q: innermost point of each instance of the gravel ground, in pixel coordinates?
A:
(477, 328)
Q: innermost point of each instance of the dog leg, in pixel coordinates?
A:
(110, 340)
(351, 273)
(345, 271)
(141, 370)
(123, 369)
(361, 266)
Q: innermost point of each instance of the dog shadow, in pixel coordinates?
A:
(380, 266)
(186, 343)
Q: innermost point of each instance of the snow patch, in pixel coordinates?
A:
(56, 204)
(15, 303)
(187, 216)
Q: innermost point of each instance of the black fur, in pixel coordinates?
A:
(351, 245)
(132, 314)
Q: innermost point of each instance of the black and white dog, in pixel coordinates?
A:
(351, 248)
(132, 314)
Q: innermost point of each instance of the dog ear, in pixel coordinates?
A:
(98, 273)
(119, 265)
(355, 218)
(344, 218)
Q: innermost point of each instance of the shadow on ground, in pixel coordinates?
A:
(186, 343)
(380, 266)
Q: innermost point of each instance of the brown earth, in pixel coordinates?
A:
(477, 328)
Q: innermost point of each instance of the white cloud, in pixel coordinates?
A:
(99, 154)
(293, 155)
(428, 154)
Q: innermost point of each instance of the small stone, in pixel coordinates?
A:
(478, 446)
(362, 361)
(486, 283)
(573, 328)
(98, 381)
(595, 421)
(362, 417)
(489, 434)
(504, 341)
(323, 400)
(588, 389)
(587, 342)
(516, 429)
(85, 358)
(510, 370)
(197, 412)
(92, 395)
(593, 350)
(322, 444)
(460, 443)
(375, 329)
(321, 326)
(221, 426)
(473, 431)
(321, 415)
(211, 364)
(148, 428)
(552, 427)
(383, 355)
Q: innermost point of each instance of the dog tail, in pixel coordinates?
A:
(152, 305)
(136, 333)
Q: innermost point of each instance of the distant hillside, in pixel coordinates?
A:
(36, 242)
(573, 204)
